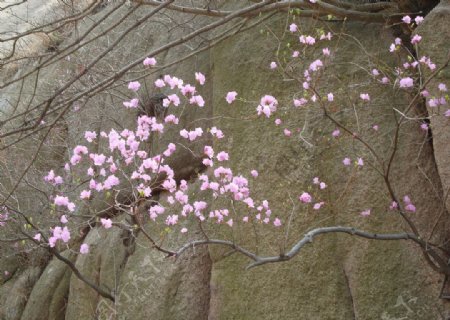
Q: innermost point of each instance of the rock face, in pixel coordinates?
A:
(335, 277)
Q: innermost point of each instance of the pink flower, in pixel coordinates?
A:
(184, 133)
(170, 150)
(198, 100)
(393, 205)
(346, 161)
(318, 205)
(293, 27)
(171, 119)
(365, 96)
(216, 133)
(305, 197)
(52, 242)
(254, 173)
(187, 89)
(330, 97)
(418, 20)
(336, 133)
(287, 132)
(442, 87)
(149, 61)
(375, 127)
(316, 65)
(424, 127)
(37, 237)
(200, 77)
(385, 80)
(406, 82)
(416, 39)
(406, 19)
(99, 159)
(222, 156)
(295, 54)
(159, 83)
(410, 207)
(107, 223)
(110, 182)
(78, 150)
(392, 47)
(61, 201)
(268, 104)
(365, 213)
(230, 222)
(231, 96)
(322, 185)
(90, 135)
(273, 65)
(184, 230)
(84, 248)
(50, 176)
(308, 40)
(63, 219)
(277, 122)
(447, 113)
(134, 85)
(375, 72)
(133, 103)
(300, 102)
(326, 52)
(65, 235)
(85, 194)
(277, 222)
(209, 151)
(360, 162)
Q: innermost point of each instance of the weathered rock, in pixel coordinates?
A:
(49, 296)
(14, 295)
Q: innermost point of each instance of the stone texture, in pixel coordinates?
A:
(337, 276)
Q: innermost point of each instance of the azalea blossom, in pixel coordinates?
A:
(134, 85)
(336, 133)
(159, 83)
(364, 96)
(200, 77)
(287, 132)
(84, 248)
(305, 197)
(416, 39)
(365, 213)
(346, 161)
(222, 156)
(406, 82)
(273, 65)
(198, 100)
(406, 19)
(293, 27)
(149, 61)
(231, 96)
(268, 104)
(106, 223)
(277, 222)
